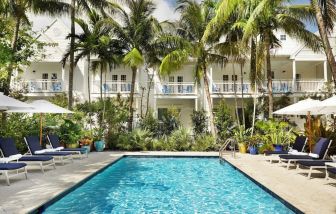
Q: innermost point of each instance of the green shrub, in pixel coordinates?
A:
(204, 143)
(180, 140)
(69, 132)
(223, 120)
(200, 122)
(171, 121)
(150, 123)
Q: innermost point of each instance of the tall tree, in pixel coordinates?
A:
(325, 15)
(18, 10)
(188, 44)
(136, 33)
(260, 19)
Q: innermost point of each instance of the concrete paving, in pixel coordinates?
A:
(311, 196)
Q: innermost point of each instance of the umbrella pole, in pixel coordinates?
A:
(309, 131)
(41, 128)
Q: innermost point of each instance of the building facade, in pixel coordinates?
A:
(296, 70)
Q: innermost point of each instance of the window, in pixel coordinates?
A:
(234, 77)
(114, 77)
(45, 76)
(162, 112)
(272, 74)
(123, 78)
(225, 78)
(54, 76)
(179, 78)
(171, 79)
(298, 76)
(283, 37)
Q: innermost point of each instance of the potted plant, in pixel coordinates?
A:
(86, 142)
(253, 143)
(99, 142)
(70, 133)
(241, 136)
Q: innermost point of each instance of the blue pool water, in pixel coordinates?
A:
(168, 185)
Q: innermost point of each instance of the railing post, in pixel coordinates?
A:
(294, 77)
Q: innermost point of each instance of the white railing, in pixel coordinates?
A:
(176, 88)
(40, 86)
(113, 87)
(309, 85)
(231, 87)
(281, 86)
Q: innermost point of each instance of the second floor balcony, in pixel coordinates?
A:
(113, 87)
(176, 88)
(40, 86)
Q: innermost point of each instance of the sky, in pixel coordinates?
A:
(165, 10)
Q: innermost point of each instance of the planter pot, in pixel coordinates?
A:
(278, 148)
(253, 150)
(242, 148)
(99, 145)
(72, 145)
(88, 148)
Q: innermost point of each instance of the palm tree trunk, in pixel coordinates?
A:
(242, 91)
(269, 75)
(148, 93)
(130, 120)
(253, 70)
(13, 47)
(88, 79)
(101, 81)
(235, 94)
(324, 35)
(254, 107)
(72, 52)
(207, 94)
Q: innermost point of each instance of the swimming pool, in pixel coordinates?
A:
(168, 185)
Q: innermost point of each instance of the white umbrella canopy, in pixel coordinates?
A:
(301, 108)
(328, 106)
(42, 106)
(8, 103)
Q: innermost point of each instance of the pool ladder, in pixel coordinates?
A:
(231, 143)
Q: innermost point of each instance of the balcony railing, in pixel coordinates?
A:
(230, 87)
(40, 86)
(177, 88)
(113, 87)
(285, 86)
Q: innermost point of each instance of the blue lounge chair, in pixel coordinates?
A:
(34, 148)
(312, 164)
(320, 150)
(55, 143)
(299, 144)
(5, 168)
(8, 149)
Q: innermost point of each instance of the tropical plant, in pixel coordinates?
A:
(188, 44)
(260, 19)
(223, 120)
(325, 17)
(200, 122)
(170, 121)
(69, 132)
(204, 142)
(150, 123)
(180, 140)
(18, 12)
(136, 32)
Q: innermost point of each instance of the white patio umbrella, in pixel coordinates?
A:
(304, 107)
(42, 107)
(8, 103)
(327, 106)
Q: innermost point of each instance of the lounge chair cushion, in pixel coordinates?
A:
(299, 143)
(7, 145)
(82, 150)
(332, 170)
(313, 163)
(54, 141)
(321, 147)
(276, 152)
(36, 158)
(295, 157)
(11, 166)
(56, 153)
(33, 143)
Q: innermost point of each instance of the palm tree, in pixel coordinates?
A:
(78, 6)
(136, 33)
(18, 10)
(188, 44)
(325, 15)
(87, 42)
(259, 19)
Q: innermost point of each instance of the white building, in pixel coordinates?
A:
(296, 69)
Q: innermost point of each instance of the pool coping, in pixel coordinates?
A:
(41, 207)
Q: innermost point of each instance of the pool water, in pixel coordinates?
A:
(169, 185)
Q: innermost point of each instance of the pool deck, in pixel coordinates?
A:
(316, 195)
